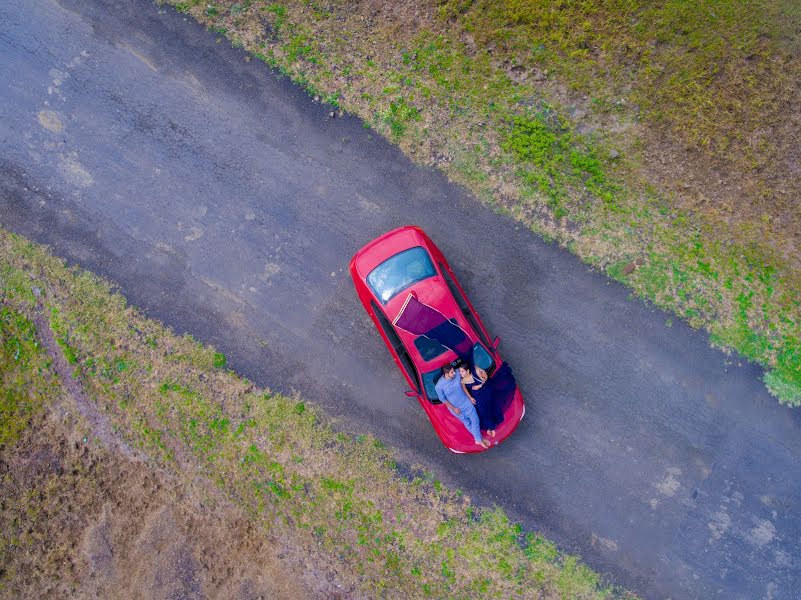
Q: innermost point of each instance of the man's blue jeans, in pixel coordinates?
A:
(469, 417)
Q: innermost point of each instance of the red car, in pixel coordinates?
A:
(409, 290)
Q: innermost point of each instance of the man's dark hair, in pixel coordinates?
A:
(446, 368)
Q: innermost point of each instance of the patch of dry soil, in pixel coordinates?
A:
(83, 516)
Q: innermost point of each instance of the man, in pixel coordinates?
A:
(450, 391)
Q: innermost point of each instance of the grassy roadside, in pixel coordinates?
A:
(562, 114)
(338, 497)
(84, 516)
(26, 380)
(28, 386)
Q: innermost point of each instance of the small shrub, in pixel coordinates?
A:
(398, 115)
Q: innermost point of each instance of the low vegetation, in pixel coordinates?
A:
(655, 141)
(340, 497)
(25, 378)
(83, 516)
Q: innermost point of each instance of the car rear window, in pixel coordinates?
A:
(399, 272)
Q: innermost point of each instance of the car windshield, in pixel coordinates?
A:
(481, 358)
(399, 272)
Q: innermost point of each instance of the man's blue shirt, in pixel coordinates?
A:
(451, 390)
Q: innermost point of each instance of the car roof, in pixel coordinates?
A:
(435, 293)
(432, 291)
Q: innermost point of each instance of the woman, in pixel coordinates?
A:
(475, 385)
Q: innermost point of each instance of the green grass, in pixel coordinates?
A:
(26, 378)
(482, 89)
(398, 115)
(219, 361)
(337, 496)
(553, 160)
(698, 67)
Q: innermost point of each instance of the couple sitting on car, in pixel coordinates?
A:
(469, 397)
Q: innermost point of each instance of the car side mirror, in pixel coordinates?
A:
(496, 342)
(411, 393)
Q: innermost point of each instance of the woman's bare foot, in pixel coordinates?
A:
(491, 432)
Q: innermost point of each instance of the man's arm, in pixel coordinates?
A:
(440, 389)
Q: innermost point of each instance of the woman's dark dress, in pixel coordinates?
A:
(504, 386)
(490, 413)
